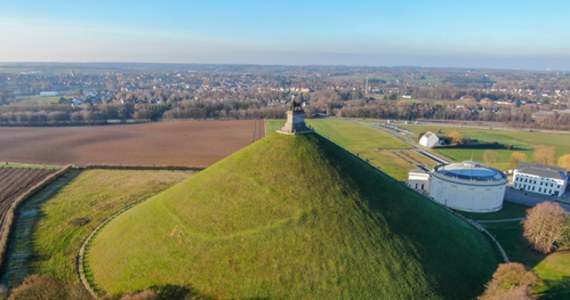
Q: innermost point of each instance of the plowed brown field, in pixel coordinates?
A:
(13, 183)
(183, 143)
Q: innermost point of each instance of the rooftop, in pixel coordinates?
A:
(470, 170)
(542, 171)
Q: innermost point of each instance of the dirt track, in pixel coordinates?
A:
(183, 143)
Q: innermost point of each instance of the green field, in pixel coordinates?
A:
(523, 141)
(293, 217)
(389, 154)
(384, 151)
(38, 100)
(70, 212)
(554, 270)
(510, 210)
(27, 166)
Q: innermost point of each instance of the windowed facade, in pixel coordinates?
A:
(537, 184)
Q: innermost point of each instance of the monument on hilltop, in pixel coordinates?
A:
(295, 120)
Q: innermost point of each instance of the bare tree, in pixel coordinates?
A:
(564, 161)
(455, 137)
(543, 226)
(516, 158)
(510, 281)
(491, 158)
(545, 155)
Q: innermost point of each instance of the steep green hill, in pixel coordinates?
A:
(293, 217)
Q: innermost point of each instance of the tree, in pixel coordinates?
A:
(455, 137)
(543, 226)
(545, 155)
(510, 281)
(491, 157)
(564, 161)
(46, 287)
(516, 158)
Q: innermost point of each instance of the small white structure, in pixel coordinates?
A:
(541, 179)
(429, 139)
(49, 94)
(468, 186)
(418, 179)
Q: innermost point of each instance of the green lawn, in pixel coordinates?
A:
(293, 217)
(369, 143)
(356, 138)
(272, 125)
(523, 141)
(510, 210)
(554, 270)
(510, 235)
(38, 100)
(68, 214)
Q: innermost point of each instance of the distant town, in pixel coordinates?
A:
(70, 94)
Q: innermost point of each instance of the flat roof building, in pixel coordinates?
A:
(540, 179)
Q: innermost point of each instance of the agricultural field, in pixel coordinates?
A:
(522, 141)
(13, 183)
(38, 100)
(184, 143)
(52, 224)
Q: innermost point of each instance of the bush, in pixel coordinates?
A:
(510, 281)
(46, 287)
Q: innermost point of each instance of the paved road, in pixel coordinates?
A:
(531, 199)
(500, 221)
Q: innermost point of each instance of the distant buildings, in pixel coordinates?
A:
(467, 186)
(429, 139)
(536, 178)
(49, 94)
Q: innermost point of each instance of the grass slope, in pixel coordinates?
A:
(293, 217)
(554, 270)
(92, 196)
(391, 155)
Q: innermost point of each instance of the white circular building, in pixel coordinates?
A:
(468, 186)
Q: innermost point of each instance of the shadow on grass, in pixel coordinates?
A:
(19, 253)
(557, 289)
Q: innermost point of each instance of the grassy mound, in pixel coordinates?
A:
(293, 217)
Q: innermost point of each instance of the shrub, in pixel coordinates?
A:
(510, 281)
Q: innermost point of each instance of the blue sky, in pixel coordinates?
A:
(500, 34)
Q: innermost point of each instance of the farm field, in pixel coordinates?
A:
(322, 225)
(51, 225)
(522, 141)
(183, 143)
(14, 183)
